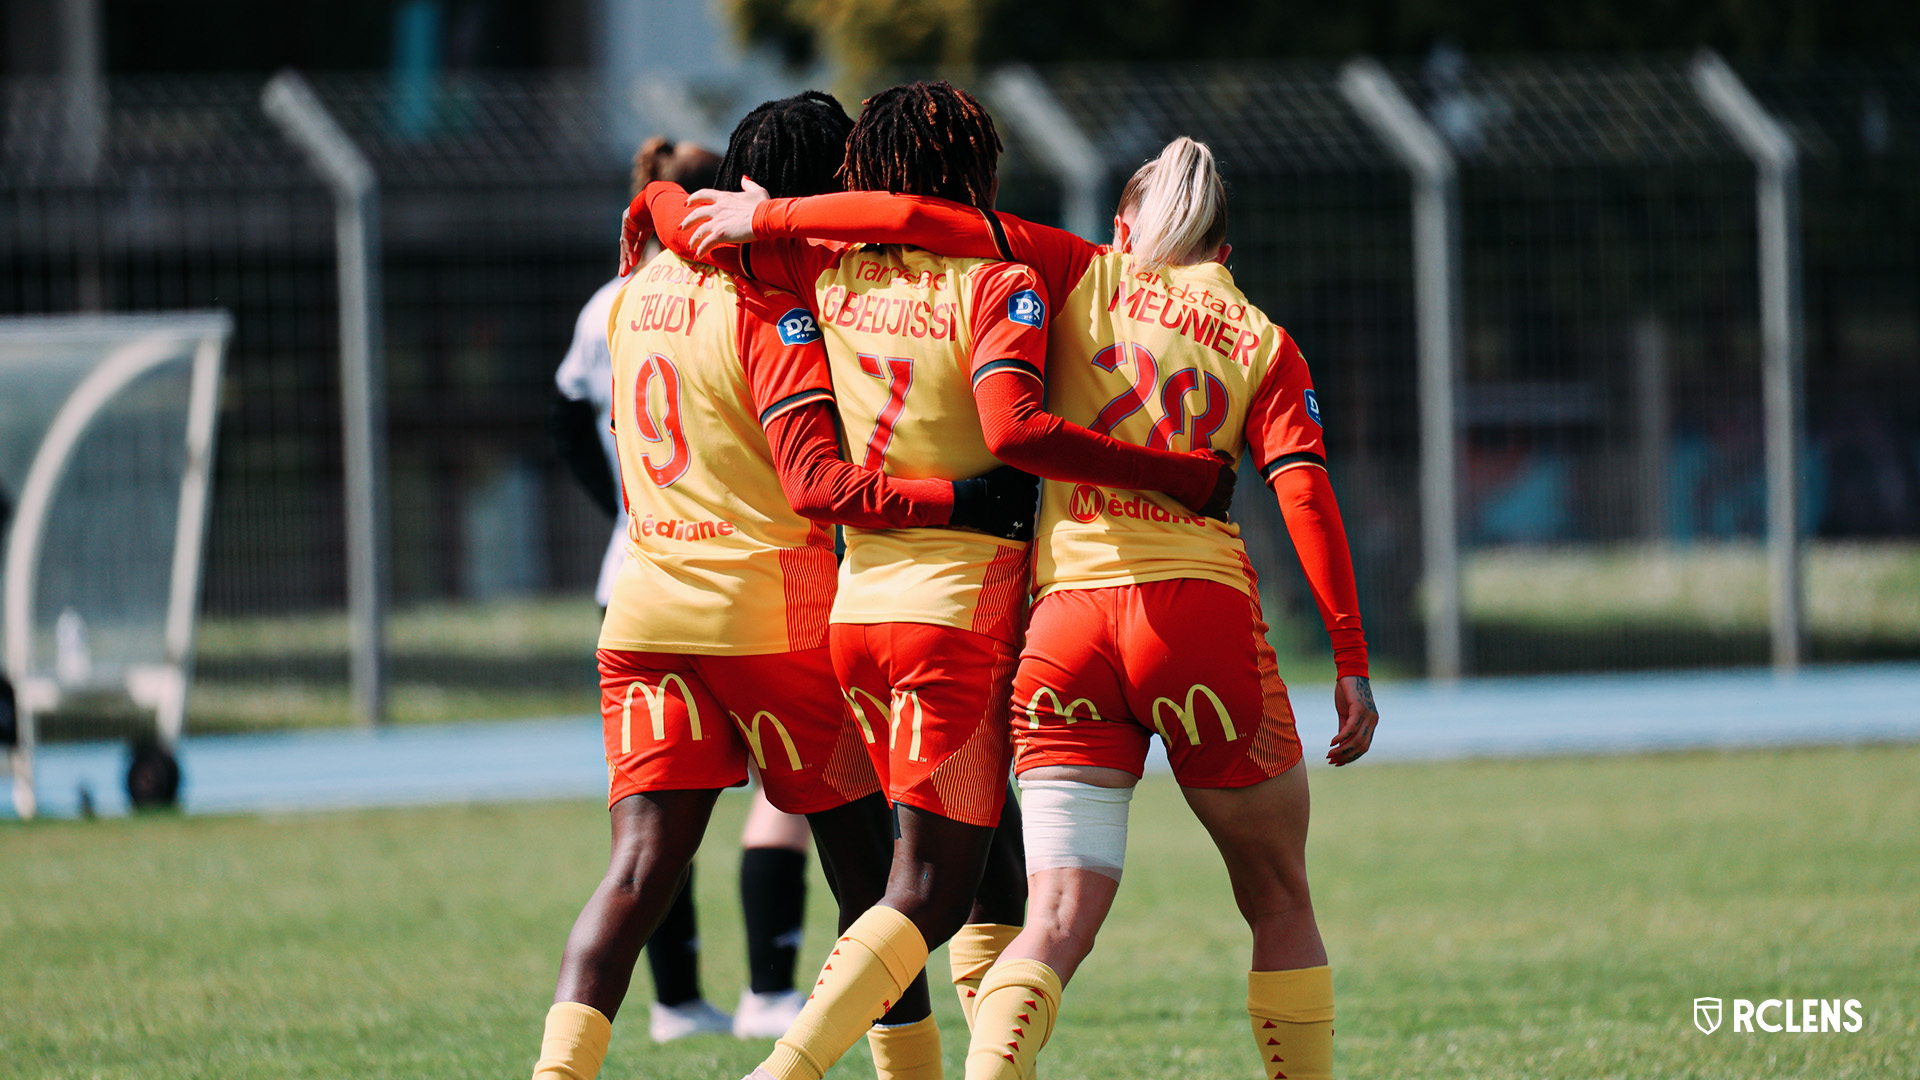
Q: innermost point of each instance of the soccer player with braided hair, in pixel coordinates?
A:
(939, 365)
(1134, 622)
(713, 650)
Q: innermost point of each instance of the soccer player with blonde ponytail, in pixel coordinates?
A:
(1148, 617)
(1180, 209)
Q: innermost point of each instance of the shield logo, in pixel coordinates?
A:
(1706, 1015)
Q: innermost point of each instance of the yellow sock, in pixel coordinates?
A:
(871, 963)
(1013, 1018)
(575, 1043)
(906, 1051)
(971, 952)
(1292, 1015)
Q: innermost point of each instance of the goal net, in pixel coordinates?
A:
(106, 434)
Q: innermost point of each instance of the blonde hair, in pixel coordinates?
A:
(1180, 207)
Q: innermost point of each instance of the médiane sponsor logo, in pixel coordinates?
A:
(896, 316)
(682, 529)
(1205, 318)
(1088, 503)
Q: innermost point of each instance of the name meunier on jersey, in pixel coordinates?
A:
(1177, 360)
(1206, 319)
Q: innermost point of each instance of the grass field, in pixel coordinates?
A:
(1546, 918)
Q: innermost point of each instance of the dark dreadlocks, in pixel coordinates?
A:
(791, 146)
(924, 139)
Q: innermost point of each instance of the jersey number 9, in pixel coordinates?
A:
(679, 458)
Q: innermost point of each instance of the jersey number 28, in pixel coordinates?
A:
(1173, 394)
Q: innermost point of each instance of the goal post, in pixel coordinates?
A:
(106, 440)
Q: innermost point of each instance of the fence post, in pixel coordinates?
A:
(1436, 260)
(83, 91)
(1777, 191)
(291, 103)
(1064, 149)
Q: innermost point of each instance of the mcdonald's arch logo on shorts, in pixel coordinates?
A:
(903, 700)
(1064, 712)
(860, 714)
(755, 738)
(656, 699)
(1189, 719)
(1084, 504)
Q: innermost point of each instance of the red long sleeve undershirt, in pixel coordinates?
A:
(1021, 432)
(1320, 537)
(1013, 416)
(823, 486)
(659, 211)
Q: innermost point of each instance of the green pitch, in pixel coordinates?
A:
(1525, 919)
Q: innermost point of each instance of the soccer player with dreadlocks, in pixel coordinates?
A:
(1154, 342)
(714, 645)
(939, 366)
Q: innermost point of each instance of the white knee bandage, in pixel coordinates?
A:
(1074, 826)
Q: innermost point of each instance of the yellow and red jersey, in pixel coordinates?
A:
(1173, 359)
(718, 561)
(908, 334)
(1219, 369)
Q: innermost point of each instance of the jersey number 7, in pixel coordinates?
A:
(898, 373)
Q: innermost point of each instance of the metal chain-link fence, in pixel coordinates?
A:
(1611, 496)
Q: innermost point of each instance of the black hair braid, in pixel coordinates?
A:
(790, 146)
(924, 138)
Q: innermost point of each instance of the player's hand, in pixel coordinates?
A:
(633, 242)
(1353, 701)
(725, 217)
(1220, 499)
(1000, 503)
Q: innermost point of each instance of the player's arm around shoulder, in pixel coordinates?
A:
(1007, 320)
(781, 350)
(785, 360)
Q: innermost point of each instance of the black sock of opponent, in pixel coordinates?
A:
(773, 896)
(673, 952)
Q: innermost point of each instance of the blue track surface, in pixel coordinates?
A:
(561, 758)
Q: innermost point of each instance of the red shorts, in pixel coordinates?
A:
(941, 694)
(680, 721)
(1105, 669)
